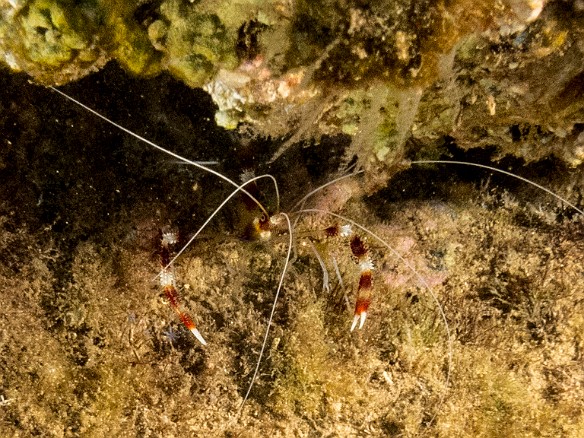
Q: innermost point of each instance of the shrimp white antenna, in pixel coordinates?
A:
(325, 274)
(160, 148)
(504, 172)
(340, 280)
(265, 341)
(204, 163)
(212, 215)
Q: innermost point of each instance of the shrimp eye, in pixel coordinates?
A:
(264, 222)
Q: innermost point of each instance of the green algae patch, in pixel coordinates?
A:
(311, 379)
(132, 48)
(51, 39)
(505, 401)
(196, 44)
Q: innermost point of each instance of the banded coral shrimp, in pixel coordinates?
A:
(388, 374)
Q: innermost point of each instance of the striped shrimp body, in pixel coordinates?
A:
(418, 302)
(261, 224)
(168, 283)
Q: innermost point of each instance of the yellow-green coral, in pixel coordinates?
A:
(50, 33)
(196, 44)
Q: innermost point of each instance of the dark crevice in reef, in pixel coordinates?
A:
(308, 165)
(70, 172)
(65, 169)
(443, 182)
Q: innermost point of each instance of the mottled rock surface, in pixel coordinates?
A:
(89, 347)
